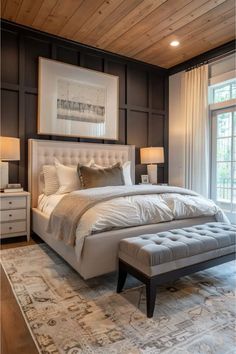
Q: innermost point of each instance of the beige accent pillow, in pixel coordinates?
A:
(68, 177)
(126, 167)
(50, 179)
(101, 177)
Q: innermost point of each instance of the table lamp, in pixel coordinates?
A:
(151, 156)
(9, 151)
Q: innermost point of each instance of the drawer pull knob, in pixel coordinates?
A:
(10, 228)
(10, 202)
(10, 215)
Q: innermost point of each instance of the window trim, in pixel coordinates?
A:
(223, 78)
(213, 185)
(222, 105)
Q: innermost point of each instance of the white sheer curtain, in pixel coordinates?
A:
(195, 113)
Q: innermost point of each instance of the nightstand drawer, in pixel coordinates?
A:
(9, 215)
(13, 227)
(12, 203)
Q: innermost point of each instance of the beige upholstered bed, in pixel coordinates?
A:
(99, 255)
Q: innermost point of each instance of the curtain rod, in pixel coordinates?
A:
(212, 60)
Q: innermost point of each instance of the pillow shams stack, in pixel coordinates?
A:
(60, 179)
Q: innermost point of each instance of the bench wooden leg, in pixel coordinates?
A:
(150, 297)
(122, 274)
(151, 283)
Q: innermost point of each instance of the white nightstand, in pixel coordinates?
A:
(15, 214)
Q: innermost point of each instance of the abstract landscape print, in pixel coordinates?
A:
(80, 101)
(77, 102)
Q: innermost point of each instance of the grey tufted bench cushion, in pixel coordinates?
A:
(165, 252)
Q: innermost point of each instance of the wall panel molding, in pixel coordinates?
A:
(142, 92)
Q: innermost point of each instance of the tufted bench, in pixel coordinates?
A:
(166, 256)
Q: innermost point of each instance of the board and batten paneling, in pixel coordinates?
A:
(143, 93)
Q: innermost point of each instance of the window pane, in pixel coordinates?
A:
(234, 123)
(234, 153)
(224, 149)
(224, 124)
(234, 200)
(234, 89)
(224, 195)
(222, 93)
(234, 174)
(223, 180)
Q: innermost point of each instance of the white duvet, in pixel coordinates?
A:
(134, 211)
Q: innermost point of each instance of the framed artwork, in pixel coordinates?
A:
(145, 179)
(77, 102)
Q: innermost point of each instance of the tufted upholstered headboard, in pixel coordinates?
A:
(42, 152)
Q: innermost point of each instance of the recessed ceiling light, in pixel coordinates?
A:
(174, 43)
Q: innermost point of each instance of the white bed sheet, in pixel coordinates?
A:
(134, 210)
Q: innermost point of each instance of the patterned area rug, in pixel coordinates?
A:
(69, 315)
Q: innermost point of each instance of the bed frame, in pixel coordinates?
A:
(99, 255)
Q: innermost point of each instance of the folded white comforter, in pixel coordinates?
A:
(135, 210)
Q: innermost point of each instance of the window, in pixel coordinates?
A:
(224, 92)
(223, 123)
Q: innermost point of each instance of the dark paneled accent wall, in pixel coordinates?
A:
(143, 93)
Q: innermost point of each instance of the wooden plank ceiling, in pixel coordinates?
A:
(139, 29)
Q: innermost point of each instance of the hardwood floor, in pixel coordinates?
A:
(15, 335)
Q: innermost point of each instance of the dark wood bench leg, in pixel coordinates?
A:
(122, 274)
(151, 296)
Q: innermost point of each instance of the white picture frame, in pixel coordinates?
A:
(76, 102)
(145, 179)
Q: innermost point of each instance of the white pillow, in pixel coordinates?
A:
(68, 177)
(126, 172)
(51, 183)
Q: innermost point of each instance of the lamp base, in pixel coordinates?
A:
(3, 174)
(152, 173)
